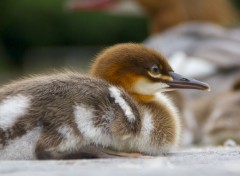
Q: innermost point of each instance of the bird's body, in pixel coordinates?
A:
(67, 115)
(53, 116)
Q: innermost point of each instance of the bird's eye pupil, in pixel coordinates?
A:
(155, 69)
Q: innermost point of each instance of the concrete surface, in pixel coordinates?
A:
(195, 161)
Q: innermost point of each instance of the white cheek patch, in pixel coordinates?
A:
(143, 86)
(84, 120)
(12, 108)
(116, 94)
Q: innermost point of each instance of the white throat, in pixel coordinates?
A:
(145, 87)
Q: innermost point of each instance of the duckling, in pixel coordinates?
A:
(64, 116)
(67, 115)
(145, 74)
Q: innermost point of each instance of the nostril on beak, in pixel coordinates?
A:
(184, 79)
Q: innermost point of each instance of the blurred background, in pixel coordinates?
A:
(200, 38)
(38, 35)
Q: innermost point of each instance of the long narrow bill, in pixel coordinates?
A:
(182, 82)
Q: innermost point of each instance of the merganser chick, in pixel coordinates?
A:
(145, 75)
(64, 116)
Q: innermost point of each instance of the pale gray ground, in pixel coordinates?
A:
(196, 161)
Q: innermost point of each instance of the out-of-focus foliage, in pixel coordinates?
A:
(28, 23)
(236, 3)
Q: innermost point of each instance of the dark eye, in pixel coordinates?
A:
(155, 70)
